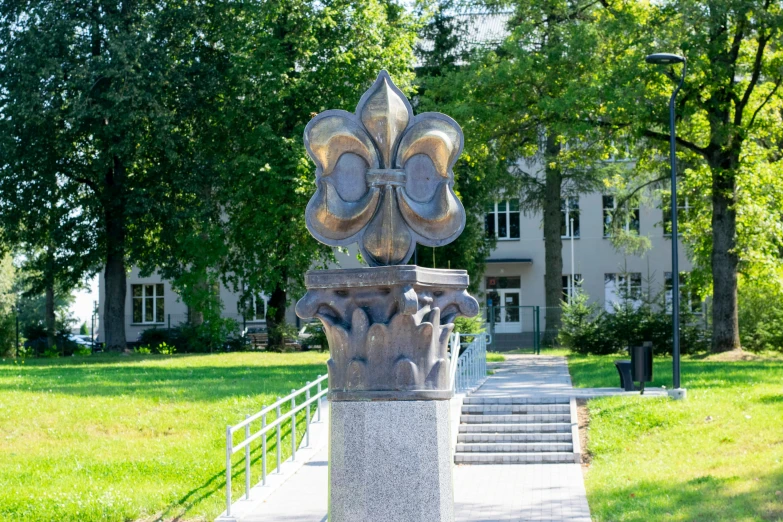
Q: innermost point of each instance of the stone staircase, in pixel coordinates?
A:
(517, 430)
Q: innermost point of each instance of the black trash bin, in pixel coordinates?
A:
(624, 369)
(642, 363)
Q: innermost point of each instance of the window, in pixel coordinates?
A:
(689, 297)
(622, 287)
(631, 219)
(570, 287)
(503, 219)
(683, 214)
(148, 303)
(503, 282)
(254, 307)
(569, 208)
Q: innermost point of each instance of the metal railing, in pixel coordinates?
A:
(266, 428)
(471, 367)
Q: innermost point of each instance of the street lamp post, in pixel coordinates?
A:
(16, 352)
(671, 59)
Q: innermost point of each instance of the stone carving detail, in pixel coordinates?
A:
(388, 332)
(384, 176)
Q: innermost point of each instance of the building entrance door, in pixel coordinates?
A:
(505, 304)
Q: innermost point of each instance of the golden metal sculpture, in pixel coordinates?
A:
(384, 176)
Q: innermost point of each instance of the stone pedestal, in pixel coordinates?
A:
(389, 383)
(390, 461)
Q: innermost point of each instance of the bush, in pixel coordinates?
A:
(82, 351)
(582, 327)
(289, 333)
(142, 350)
(587, 329)
(315, 336)
(154, 337)
(760, 318)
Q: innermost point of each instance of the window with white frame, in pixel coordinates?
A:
(147, 303)
(683, 213)
(502, 219)
(689, 295)
(571, 286)
(625, 287)
(255, 309)
(631, 218)
(569, 209)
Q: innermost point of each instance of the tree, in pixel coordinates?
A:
(729, 120)
(512, 99)
(8, 302)
(311, 57)
(85, 79)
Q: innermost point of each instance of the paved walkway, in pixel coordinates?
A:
(485, 493)
(523, 492)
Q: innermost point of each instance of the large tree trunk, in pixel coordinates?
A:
(725, 325)
(115, 275)
(553, 244)
(275, 317)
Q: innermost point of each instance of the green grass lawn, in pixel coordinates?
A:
(133, 437)
(495, 357)
(716, 456)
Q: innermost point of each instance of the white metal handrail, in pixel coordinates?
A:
(471, 368)
(266, 428)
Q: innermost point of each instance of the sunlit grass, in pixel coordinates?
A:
(495, 357)
(716, 456)
(132, 437)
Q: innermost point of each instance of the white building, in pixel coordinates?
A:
(514, 277)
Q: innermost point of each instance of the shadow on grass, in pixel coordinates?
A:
(704, 498)
(216, 484)
(178, 383)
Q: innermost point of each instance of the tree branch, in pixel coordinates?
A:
(753, 79)
(680, 141)
(85, 181)
(769, 96)
(624, 200)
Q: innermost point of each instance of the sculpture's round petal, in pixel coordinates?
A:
(330, 217)
(437, 136)
(333, 133)
(438, 220)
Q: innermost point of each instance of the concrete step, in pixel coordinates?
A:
(497, 438)
(526, 447)
(509, 409)
(480, 399)
(515, 419)
(515, 458)
(531, 427)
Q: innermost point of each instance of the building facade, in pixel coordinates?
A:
(514, 278)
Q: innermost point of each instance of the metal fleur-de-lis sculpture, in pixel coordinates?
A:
(384, 176)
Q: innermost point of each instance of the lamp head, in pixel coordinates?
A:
(664, 59)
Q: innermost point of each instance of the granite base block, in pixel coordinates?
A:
(390, 461)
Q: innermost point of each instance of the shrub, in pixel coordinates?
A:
(582, 327)
(760, 318)
(143, 350)
(587, 329)
(165, 349)
(82, 351)
(316, 336)
(289, 333)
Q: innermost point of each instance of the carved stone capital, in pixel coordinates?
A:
(388, 328)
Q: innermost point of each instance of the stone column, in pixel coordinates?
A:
(389, 383)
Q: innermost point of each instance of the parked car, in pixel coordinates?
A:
(81, 340)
